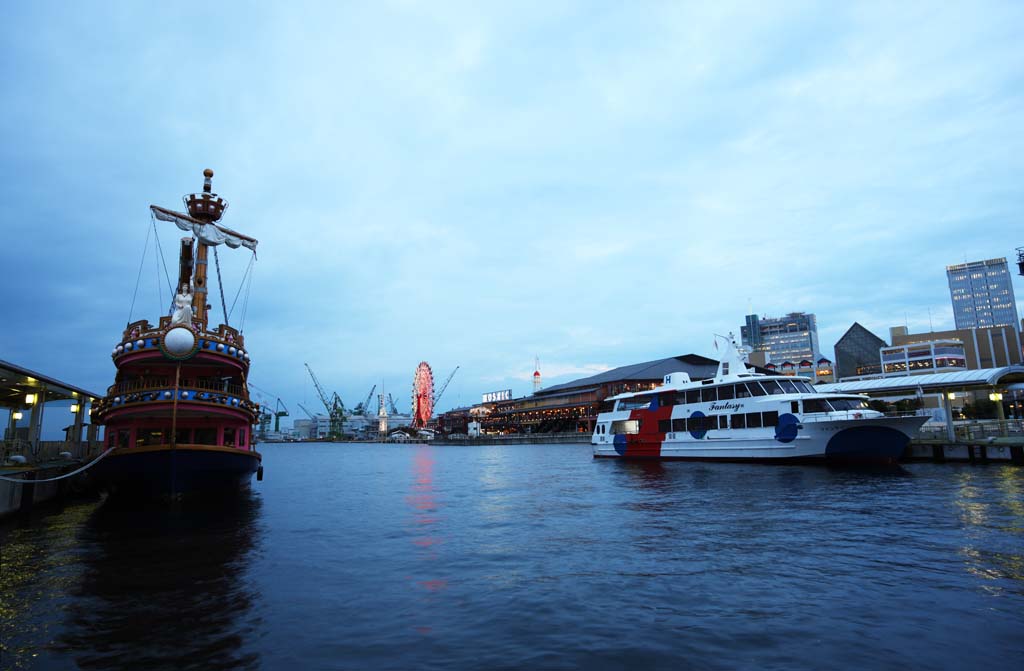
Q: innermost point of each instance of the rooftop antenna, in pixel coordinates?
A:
(930, 328)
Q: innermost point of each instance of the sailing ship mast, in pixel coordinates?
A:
(204, 211)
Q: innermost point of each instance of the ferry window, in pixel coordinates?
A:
(742, 391)
(723, 421)
(679, 425)
(123, 437)
(816, 405)
(708, 394)
(803, 386)
(794, 407)
(205, 437)
(770, 418)
(753, 420)
(726, 393)
(229, 437)
(739, 421)
(664, 425)
(183, 436)
(607, 406)
(696, 424)
(666, 400)
(772, 387)
(756, 389)
(788, 386)
(848, 404)
(693, 396)
(627, 426)
(241, 437)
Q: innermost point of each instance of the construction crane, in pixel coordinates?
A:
(280, 410)
(335, 408)
(392, 408)
(364, 407)
(437, 396)
(306, 410)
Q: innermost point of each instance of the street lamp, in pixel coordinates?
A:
(995, 396)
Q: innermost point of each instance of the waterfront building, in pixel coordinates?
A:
(990, 347)
(573, 406)
(982, 294)
(792, 338)
(857, 353)
(931, 356)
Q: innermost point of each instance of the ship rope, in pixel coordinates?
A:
(220, 283)
(162, 259)
(92, 463)
(245, 301)
(142, 262)
(247, 285)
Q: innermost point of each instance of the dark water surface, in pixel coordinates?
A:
(403, 557)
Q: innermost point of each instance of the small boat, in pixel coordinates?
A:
(178, 418)
(741, 415)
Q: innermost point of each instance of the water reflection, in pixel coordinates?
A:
(165, 588)
(38, 568)
(422, 499)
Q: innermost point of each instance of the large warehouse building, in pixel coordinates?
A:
(573, 406)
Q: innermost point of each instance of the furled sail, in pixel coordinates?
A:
(208, 233)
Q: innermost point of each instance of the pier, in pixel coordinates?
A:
(25, 458)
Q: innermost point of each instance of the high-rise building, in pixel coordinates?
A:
(982, 294)
(792, 338)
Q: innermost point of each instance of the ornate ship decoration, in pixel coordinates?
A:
(178, 417)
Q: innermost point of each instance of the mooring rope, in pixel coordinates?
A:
(22, 481)
(220, 283)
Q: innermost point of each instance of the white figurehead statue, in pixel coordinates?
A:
(182, 307)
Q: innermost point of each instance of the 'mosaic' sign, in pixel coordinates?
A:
(495, 396)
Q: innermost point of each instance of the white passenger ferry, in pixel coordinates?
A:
(740, 415)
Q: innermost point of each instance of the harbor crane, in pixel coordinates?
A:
(280, 410)
(364, 407)
(437, 397)
(392, 408)
(306, 410)
(335, 408)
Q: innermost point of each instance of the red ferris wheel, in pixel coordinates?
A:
(422, 395)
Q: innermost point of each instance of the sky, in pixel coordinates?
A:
(479, 184)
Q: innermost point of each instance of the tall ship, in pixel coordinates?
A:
(741, 415)
(178, 418)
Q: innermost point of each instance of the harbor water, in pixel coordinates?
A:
(351, 556)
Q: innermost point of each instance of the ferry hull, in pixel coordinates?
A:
(162, 472)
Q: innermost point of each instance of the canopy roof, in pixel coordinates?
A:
(931, 382)
(17, 381)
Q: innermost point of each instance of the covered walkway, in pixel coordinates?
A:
(26, 395)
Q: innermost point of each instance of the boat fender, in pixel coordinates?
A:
(17, 459)
(259, 474)
(65, 455)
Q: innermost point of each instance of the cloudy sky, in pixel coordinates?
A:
(476, 184)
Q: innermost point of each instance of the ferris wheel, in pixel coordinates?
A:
(422, 395)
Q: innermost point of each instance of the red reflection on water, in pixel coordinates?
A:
(425, 508)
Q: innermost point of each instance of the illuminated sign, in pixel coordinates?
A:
(495, 396)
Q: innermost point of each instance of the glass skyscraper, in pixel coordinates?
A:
(791, 338)
(982, 294)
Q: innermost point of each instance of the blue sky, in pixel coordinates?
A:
(476, 184)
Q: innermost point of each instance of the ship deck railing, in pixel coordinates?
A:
(162, 383)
